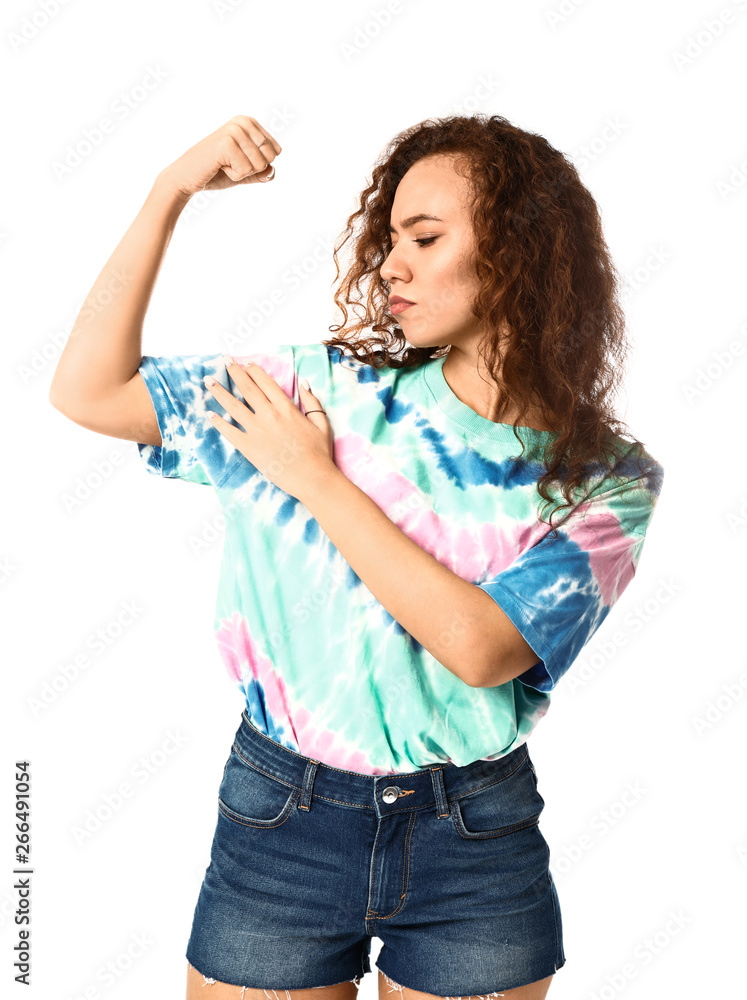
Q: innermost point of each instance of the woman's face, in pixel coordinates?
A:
(436, 275)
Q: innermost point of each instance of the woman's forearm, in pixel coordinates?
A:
(104, 348)
(457, 623)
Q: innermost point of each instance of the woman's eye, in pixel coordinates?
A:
(425, 241)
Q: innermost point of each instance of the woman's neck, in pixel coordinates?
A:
(479, 394)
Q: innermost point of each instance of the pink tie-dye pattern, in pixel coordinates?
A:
(606, 569)
(387, 488)
(466, 555)
(240, 654)
(393, 491)
(319, 744)
(467, 549)
(501, 546)
(241, 657)
(283, 373)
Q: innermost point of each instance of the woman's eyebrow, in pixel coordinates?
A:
(413, 220)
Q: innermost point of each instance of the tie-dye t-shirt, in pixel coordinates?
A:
(322, 666)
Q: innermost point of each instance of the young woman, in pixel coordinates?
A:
(395, 604)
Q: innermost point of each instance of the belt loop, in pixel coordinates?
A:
(308, 785)
(442, 805)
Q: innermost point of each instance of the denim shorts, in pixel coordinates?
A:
(446, 866)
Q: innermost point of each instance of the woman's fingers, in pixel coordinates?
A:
(234, 407)
(255, 388)
(231, 433)
(251, 126)
(238, 152)
(254, 379)
(251, 150)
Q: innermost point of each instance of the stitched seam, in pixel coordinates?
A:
(405, 872)
(229, 470)
(397, 812)
(488, 784)
(501, 831)
(453, 798)
(246, 821)
(373, 870)
(153, 380)
(341, 802)
(288, 784)
(267, 774)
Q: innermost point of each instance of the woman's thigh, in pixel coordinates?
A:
(197, 984)
(532, 991)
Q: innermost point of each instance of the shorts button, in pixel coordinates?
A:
(390, 793)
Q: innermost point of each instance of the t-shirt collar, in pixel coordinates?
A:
(461, 413)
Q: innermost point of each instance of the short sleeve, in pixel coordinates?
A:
(559, 591)
(191, 449)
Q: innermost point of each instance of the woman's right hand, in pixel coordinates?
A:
(239, 152)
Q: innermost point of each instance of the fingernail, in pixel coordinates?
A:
(305, 383)
(227, 360)
(209, 380)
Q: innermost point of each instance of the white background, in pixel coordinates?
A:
(646, 99)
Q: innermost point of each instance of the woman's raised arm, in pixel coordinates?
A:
(96, 382)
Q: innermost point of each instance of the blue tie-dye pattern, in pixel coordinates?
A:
(335, 651)
(395, 410)
(192, 448)
(539, 590)
(364, 373)
(260, 489)
(257, 710)
(311, 531)
(286, 511)
(447, 461)
(467, 468)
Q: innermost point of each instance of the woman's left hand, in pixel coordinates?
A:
(285, 445)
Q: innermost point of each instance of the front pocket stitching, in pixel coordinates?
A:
(267, 774)
(481, 834)
(265, 824)
(479, 788)
(326, 798)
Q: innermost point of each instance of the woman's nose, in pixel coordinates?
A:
(393, 267)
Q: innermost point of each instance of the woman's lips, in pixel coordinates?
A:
(399, 307)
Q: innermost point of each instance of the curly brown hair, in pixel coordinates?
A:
(546, 277)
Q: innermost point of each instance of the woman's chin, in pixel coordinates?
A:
(418, 339)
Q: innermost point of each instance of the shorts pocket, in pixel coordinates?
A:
(253, 797)
(501, 807)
